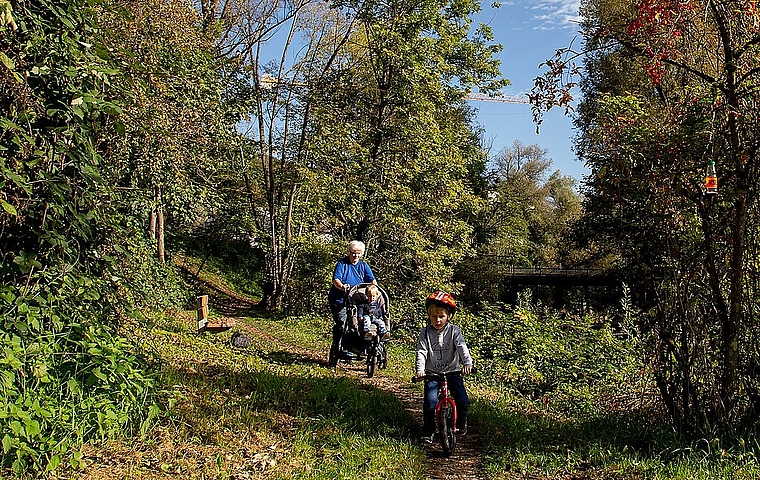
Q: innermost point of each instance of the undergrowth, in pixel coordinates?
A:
(554, 398)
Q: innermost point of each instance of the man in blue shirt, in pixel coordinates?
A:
(350, 270)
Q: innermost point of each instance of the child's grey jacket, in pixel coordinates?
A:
(440, 352)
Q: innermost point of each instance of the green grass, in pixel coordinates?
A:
(275, 411)
(322, 423)
(266, 411)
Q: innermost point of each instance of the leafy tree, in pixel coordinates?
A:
(670, 86)
(66, 374)
(357, 126)
(273, 171)
(519, 198)
(526, 220)
(174, 133)
(392, 127)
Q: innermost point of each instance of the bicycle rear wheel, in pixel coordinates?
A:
(447, 434)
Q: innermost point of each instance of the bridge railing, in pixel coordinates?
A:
(554, 271)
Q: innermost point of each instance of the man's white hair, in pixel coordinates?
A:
(355, 245)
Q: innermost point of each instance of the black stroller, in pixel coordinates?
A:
(373, 349)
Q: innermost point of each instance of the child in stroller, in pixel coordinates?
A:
(373, 312)
(355, 338)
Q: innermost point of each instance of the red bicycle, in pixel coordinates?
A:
(445, 411)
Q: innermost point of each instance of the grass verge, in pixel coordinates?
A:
(275, 411)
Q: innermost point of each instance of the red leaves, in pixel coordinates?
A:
(656, 24)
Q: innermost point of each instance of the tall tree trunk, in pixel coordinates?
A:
(160, 234)
(152, 224)
(157, 223)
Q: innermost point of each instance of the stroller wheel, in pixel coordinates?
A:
(372, 362)
(383, 357)
(371, 367)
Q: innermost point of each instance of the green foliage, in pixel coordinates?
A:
(530, 209)
(66, 377)
(310, 282)
(571, 362)
(72, 269)
(143, 284)
(173, 135)
(67, 386)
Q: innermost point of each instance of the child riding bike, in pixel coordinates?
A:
(441, 349)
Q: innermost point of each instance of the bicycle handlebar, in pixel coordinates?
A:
(433, 376)
(438, 376)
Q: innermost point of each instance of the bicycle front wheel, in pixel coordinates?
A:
(447, 433)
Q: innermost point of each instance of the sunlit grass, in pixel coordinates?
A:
(275, 410)
(266, 411)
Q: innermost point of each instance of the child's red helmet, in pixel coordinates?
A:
(443, 299)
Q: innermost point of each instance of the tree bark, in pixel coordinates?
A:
(160, 234)
(158, 224)
(152, 224)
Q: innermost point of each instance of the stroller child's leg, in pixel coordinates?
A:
(367, 330)
(381, 330)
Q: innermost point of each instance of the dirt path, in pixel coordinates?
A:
(462, 465)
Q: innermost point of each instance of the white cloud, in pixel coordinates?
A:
(555, 14)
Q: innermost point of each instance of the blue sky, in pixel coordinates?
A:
(530, 31)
